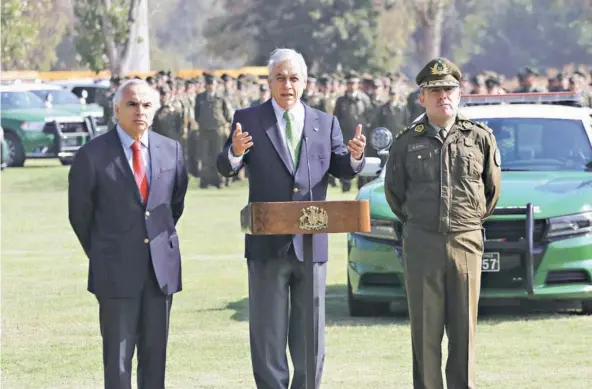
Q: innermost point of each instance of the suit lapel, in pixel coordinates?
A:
(310, 132)
(273, 132)
(155, 166)
(120, 161)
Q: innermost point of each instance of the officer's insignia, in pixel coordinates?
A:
(440, 69)
(419, 128)
(313, 219)
(467, 125)
(497, 158)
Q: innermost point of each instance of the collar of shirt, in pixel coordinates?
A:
(126, 140)
(297, 112)
(437, 128)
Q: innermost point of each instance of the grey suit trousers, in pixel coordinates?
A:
(276, 319)
(140, 322)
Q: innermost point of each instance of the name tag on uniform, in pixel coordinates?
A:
(417, 146)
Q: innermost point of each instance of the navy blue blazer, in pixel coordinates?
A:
(113, 224)
(272, 176)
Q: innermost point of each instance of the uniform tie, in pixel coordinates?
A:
(140, 170)
(443, 133)
(293, 144)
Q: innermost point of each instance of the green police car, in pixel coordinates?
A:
(31, 130)
(58, 97)
(539, 239)
(3, 150)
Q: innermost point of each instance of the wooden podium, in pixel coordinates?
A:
(306, 218)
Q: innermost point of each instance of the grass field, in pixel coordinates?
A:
(50, 333)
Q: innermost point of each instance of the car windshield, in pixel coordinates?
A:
(59, 97)
(20, 100)
(541, 144)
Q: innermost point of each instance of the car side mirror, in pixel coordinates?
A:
(372, 167)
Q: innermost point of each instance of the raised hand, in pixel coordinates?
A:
(241, 141)
(357, 145)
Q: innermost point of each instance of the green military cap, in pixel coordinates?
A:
(226, 77)
(439, 72)
(352, 76)
(324, 79)
(210, 78)
(367, 77)
(164, 90)
(530, 71)
(492, 81)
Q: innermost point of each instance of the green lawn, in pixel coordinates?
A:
(50, 333)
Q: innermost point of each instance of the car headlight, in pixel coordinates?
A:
(381, 229)
(570, 225)
(32, 126)
(381, 138)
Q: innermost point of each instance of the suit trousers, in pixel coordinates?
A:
(276, 318)
(142, 322)
(443, 281)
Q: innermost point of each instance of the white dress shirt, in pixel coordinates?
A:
(126, 143)
(297, 115)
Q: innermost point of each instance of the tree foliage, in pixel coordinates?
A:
(331, 34)
(379, 35)
(31, 30)
(103, 32)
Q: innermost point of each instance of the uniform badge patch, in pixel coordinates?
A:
(467, 125)
(417, 146)
(419, 128)
(498, 158)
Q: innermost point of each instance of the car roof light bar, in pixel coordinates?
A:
(521, 98)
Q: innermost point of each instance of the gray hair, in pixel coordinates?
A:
(154, 96)
(291, 55)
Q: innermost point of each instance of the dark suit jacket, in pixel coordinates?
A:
(112, 223)
(272, 176)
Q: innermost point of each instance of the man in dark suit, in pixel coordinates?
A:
(289, 150)
(126, 193)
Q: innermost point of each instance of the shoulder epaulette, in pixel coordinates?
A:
(484, 126)
(404, 130)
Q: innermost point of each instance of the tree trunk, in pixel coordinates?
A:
(118, 53)
(430, 16)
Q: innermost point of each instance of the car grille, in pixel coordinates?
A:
(512, 274)
(380, 279)
(513, 230)
(563, 277)
(65, 128)
(100, 120)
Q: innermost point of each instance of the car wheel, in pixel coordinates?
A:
(587, 307)
(16, 151)
(359, 308)
(66, 161)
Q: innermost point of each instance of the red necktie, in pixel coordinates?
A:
(139, 170)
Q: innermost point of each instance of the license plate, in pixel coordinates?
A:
(75, 141)
(490, 262)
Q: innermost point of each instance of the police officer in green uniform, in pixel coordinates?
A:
(351, 109)
(442, 181)
(213, 113)
(168, 120)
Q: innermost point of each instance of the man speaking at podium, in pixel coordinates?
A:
(289, 150)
